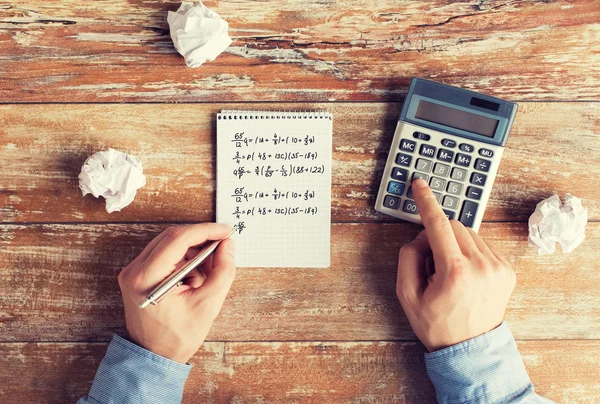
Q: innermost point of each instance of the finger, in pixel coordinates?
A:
(467, 245)
(479, 242)
(175, 244)
(195, 278)
(412, 275)
(439, 232)
(500, 257)
(220, 276)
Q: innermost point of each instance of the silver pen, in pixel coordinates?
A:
(176, 279)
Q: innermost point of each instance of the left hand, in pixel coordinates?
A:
(177, 326)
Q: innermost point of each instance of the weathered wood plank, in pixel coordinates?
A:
(120, 50)
(553, 147)
(298, 372)
(58, 283)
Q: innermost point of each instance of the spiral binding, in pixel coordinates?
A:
(230, 114)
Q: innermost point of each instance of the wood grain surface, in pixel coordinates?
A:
(554, 147)
(299, 50)
(58, 283)
(300, 372)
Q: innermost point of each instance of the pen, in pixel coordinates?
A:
(176, 279)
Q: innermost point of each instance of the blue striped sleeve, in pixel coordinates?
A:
(484, 369)
(131, 374)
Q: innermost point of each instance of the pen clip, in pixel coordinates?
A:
(155, 302)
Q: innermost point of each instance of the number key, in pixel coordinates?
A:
(391, 202)
(458, 174)
(441, 169)
(450, 202)
(437, 184)
(419, 175)
(410, 207)
(454, 188)
(424, 165)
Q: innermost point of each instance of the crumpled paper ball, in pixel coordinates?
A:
(554, 222)
(114, 175)
(199, 34)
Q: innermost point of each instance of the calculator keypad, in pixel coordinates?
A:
(457, 178)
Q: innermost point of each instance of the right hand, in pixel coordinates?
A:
(466, 295)
(177, 326)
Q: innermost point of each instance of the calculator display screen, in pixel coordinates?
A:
(456, 118)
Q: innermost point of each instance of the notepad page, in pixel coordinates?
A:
(274, 186)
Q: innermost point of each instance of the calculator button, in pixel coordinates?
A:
(486, 152)
(467, 214)
(458, 174)
(445, 155)
(441, 169)
(482, 165)
(449, 214)
(409, 193)
(403, 159)
(437, 184)
(450, 202)
(396, 188)
(478, 179)
(400, 174)
(454, 188)
(474, 192)
(410, 207)
(391, 202)
(424, 165)
(466, 147)
(448, 143)
(438, 197)
(422, 136)
(462, 160)
(419, 175)
(407, 145)
(427, 150)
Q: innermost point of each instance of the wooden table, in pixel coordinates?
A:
(78, 77)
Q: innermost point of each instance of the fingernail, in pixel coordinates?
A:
(419, 183)
(231, 246)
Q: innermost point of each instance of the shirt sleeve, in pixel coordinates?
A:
(131, 374)
(484, 369)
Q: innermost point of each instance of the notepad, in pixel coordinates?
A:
(274, 186)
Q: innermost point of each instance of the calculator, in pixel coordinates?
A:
(453, 139)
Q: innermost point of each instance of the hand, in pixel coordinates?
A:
(177, 326)
(467, 294)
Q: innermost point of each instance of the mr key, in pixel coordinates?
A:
(452, 138)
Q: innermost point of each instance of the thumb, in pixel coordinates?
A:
(220, 275)
(412, 274)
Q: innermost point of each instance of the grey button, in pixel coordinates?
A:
(438, 197)
(403, 159)
(454, 188)
(437, 184)
(400, 174)
(468, 212)
(410, 207)
(478, 179)
(474, 193)
(424, 165)
(482, 165)
(466, 147)
(407, 145)
(458, 174)
(426, 150)
(462, 160)
(486, 152)
(445, 155)
(450, 202)
(441, 169)
(419, 175)
(391, 202)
